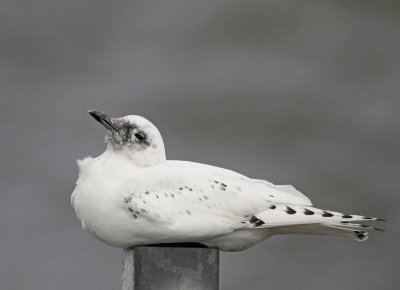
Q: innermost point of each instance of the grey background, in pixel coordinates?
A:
(299, 92)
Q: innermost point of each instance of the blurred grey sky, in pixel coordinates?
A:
(298, 92)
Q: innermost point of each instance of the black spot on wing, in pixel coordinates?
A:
(290, 210)
(347, 216)
(256, 221)
(127, 199)
(327, 214)
(131, 210)
(308, 212)
(273, 207)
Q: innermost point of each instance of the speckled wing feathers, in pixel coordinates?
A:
(187, 194)
(229, 201)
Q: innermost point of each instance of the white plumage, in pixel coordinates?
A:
(131, 195)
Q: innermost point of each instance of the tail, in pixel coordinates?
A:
(283, 219)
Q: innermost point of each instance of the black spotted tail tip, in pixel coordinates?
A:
(361, 236)
(374, 219)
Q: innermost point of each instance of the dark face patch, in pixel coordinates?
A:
(128, 135)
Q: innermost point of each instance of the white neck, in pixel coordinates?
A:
(150, 156)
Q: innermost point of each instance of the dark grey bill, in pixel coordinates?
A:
(103, 119)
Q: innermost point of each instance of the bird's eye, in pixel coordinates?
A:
(139, 136)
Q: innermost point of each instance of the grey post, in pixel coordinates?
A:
(169, 266)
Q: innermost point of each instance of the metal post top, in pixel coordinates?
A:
(174, 266)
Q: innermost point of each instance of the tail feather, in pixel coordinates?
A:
(283, 219)
(321, 229)
(356, 226)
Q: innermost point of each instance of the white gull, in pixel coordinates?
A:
(131, 195)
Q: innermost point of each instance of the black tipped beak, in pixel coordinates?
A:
(103, 119)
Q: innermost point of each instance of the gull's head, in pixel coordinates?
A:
(134, 136)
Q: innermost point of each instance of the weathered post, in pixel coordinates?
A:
(170, 266)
